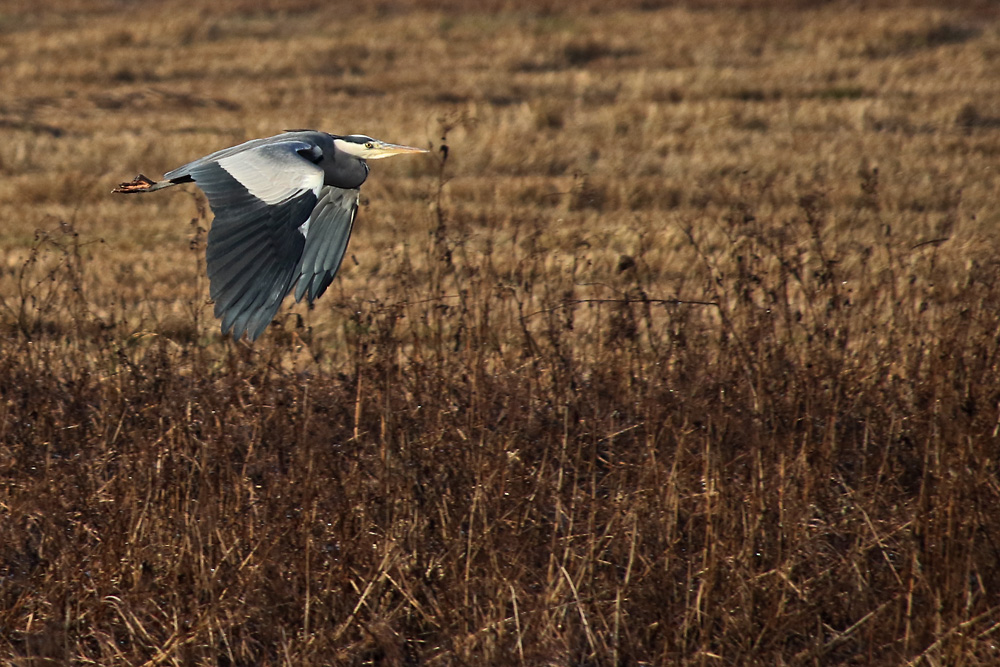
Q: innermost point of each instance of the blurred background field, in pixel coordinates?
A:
(681, 348)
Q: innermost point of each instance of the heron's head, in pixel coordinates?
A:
(366, 148)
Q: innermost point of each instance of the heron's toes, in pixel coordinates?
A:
(139, 184)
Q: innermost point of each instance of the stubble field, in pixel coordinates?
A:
(681, 348)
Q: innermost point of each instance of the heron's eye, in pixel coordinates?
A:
(369, 145)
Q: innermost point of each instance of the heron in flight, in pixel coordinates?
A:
(284, 207)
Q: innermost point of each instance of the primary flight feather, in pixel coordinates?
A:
(284, 208)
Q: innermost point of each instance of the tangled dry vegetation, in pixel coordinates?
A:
(685, 352)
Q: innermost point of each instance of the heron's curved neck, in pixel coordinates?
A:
(345, 171)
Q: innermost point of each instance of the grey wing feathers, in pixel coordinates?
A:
(327, 234)
(254, 245)
(293, 141)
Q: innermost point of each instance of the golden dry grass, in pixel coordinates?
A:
(686, 354)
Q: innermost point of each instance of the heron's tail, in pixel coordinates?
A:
(142, 184)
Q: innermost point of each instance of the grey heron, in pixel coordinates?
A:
(284, 208)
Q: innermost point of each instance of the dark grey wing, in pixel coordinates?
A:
(327, 234)
(261, 197)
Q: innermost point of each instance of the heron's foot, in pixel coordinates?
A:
(139, 184)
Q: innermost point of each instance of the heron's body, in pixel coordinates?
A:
(284, 208)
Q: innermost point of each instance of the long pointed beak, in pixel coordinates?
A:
(383, 149)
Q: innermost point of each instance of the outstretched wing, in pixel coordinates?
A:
(327, 233)
(261, 196)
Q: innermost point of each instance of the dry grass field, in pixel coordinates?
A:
(685, 350)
